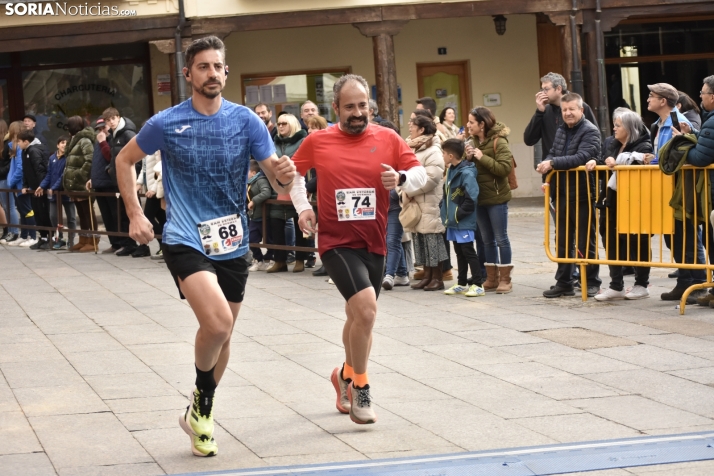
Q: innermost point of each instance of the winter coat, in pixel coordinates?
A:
(78, 169)
(5, 160)
(429, 196)
(544, 125)
(259, 190)
(14, 176)
(148, 172)
(286, 146)
(703, 153)
(53, 179)
(643, 145)
(120, 137)
(34, 165)
(665, 133)
(572, 148)
(461, 192)
(101, 157)
(159, 181)
(493, 171)
(673, 156)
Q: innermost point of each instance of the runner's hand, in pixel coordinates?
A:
(285, 170)
(141, 230)
(390, 177)
(305, 217)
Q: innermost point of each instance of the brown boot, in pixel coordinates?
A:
(437, 281)
(419, 274)
(491, 282)
(425, 280)
(278, 267)
(91, 243)
(504, 283)
(447, 275)
(80, 244)
(299, 266)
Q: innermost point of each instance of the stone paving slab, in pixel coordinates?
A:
(96, 352)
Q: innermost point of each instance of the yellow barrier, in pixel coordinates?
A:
(646, 223)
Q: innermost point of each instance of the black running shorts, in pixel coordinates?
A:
(232, 274)
(353, 270)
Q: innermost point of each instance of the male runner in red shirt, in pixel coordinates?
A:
(357, 163)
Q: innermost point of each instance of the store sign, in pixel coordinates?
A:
(85, 87)
(61, 8)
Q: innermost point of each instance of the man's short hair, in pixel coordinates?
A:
(29, 136)
(62, 138)
(709, 81)
(373, 107)
(255, 108)
(389, 125)
(454, 146)
(109, 113)
(254, 166)
(556, 80)
(570, 97)
(428, 103)
(306, 103)
(203, 44)
(348, 78)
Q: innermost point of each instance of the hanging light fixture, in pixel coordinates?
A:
(500, 22)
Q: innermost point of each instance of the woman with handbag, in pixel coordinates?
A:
(429, 249)
(488, 149)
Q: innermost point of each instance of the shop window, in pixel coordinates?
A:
(87, 54)
(4, 108)
(54, 95)
(287, 91)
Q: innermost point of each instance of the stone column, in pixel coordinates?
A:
(385, 66)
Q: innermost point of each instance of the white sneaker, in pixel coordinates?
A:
(255, 266)
(610, 295)
(17, 242)
(475, 291)
(330, 281)
(638, 292)
(27, 243)
(401, 281)
(456, 289)
(263, 266)
(388, 282)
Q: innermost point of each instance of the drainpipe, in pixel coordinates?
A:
(180, 79)
(603, 117)
(576, 75)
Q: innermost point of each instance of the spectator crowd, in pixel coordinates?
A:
(464, 205)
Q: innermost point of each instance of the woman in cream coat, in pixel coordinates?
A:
(429, 249)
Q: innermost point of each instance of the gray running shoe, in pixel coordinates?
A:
(361, 405)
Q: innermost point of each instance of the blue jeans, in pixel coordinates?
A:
(493, 223)
(70, 214)
(10, 210)
(396, 261)
(24, 207)
(687, 277)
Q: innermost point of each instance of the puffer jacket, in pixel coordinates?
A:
(493, 171)
(53, 179)
(286, 146)
(643, 145)
(572, 148)
(80, 152)
(5, 160)
(34, 165)
(429, 196)
(120, 137)
(461, 191)
(259, 190)
(148, 172)
(703, 153)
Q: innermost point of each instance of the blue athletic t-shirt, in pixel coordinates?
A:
(205, 161)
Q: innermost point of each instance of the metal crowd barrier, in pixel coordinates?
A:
(266, 218)
(644, 213)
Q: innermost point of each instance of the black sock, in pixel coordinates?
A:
(205, 382)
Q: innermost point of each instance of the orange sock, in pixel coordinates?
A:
(360, 380)
(348, 372)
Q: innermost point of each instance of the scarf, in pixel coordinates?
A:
(420, 142)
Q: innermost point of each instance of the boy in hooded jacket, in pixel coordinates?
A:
(458, 213)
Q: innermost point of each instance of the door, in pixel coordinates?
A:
(448, 84)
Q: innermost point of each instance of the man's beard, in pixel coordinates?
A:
(355, 125)
(205, 92)
(266, 121)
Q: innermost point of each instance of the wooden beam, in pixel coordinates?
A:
(471, 9)
(26, 44)
(658, 58)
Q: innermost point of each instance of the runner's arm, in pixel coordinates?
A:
(140, 228)
(415, 179)
(281, 169)
(298, 194)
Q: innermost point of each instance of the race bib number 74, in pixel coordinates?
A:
(356, 204)
(221, 235)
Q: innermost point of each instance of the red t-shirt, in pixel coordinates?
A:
(346, 161)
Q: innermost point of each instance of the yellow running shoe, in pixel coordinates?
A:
(456, 289)
(197, 422)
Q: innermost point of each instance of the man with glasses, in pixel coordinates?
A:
(702, 155)
(662, 100)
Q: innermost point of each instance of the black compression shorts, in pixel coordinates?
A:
(353, 270)
(232, 274)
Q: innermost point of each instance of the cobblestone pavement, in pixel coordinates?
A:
(96, 354)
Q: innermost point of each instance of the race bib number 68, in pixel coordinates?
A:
(221, 235)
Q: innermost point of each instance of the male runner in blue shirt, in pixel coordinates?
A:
(206, 144)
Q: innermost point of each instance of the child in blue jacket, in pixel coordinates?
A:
(458, 212)
(52, 184)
